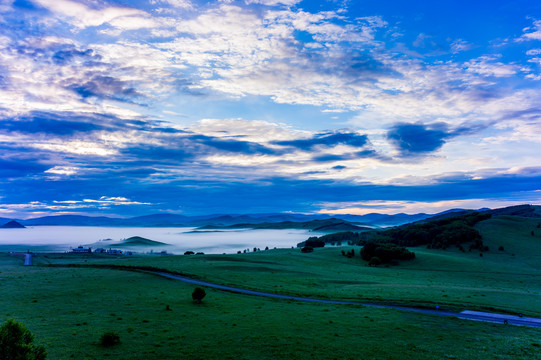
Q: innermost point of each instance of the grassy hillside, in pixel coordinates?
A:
(515, 235)
(69, 308)
(448, 278)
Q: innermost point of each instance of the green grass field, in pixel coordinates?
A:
(69, 308)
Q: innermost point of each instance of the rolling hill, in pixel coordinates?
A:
(130, 243)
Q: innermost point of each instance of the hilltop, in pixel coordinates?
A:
(132, 242)
(12, 225)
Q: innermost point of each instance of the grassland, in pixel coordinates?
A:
(69, 308)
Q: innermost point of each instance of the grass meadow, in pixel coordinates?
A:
(68, 309)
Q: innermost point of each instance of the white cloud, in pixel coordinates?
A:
(63, 170)
(460, 45)
(83, 16)
(183, 4)
(133, 22)
(488, 66)
(532, 33)
(273, 2)
(247, 130)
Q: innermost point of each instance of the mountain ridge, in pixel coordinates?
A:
(176, 220)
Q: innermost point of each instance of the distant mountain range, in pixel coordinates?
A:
(326, 225)
(272, 220)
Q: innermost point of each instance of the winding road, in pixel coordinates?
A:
(467, 314)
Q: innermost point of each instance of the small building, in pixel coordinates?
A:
(100, 250)
(114, 252)
(81, 249)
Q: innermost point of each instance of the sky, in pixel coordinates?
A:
(134, 107)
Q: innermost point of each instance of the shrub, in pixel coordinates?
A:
(16, 343)
(375, 261)
(198, 294)
(500, 248)
(189, 253)
(307, 249)
(109, 338)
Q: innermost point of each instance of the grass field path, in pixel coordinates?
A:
(468, 315)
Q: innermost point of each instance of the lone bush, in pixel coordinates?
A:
(16, 343)
(109, 338)
(375, 261)
(198, 294)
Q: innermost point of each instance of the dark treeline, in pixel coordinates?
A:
(338, 238)
(436, 234)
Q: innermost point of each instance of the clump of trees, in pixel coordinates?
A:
(385, 253)
(313, 241)
(17, 343)
(307, 249)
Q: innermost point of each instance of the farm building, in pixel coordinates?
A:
(81, 249)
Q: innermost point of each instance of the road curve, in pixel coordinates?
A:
(468, 315)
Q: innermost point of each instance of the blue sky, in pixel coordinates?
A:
(196, 107)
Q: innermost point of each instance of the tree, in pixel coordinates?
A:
(198, 294)
(109, 338)
(16, 343)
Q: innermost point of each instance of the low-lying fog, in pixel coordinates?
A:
(63, 238)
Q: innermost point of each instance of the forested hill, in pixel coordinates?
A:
(526, 210)
(438, 234)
